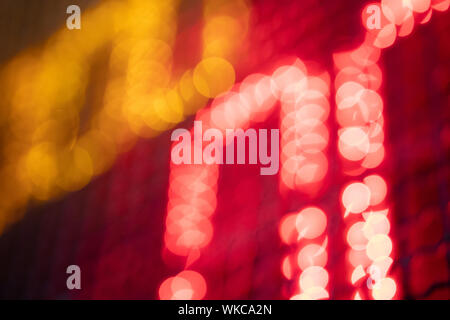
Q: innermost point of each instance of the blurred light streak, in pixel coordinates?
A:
(51, 151)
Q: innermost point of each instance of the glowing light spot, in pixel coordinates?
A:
(75, 169)
(357, 274)
(354, 143)
(395, 11)
(42, 169)
(441, 5)
(312, 255)
(310, 223)
(357, 258)
(288, 77)
(313, 277)
(181, 289)
(426, 17)
(376, 224)
(213, 76)
(356, 197)
(379, 245)
(385, 289)
(165, 289)
(378, 188)
(312, 168)
(386, 37)
(355, 236)
(315, 293)
(407, 27)
(287, 230)
(286, 268)
(196, 282)
(375, 156)
(383, 264)
(420, 6)
(347, 90)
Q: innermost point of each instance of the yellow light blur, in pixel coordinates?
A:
(53, 144)
(206, 80)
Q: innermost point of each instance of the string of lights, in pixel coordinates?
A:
(359, 114)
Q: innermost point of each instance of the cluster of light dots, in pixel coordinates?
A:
(50, 154)
(250, 101)
(52, 151)
(304, 232)
(304, 138)
(192, 188)
(192, 201)
(304, 135)
(359, 113)
(398, 18)
(187, 285)
(370, 247)
(304, 109)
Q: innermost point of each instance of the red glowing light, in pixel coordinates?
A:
(378, 188)
(312, 255)
(310, 223)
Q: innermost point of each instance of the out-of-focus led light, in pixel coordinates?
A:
(314, 276)
(356, 197)
(206, 80)
(378, 246)
(385, 289)
(286, 268)
(440, 5)
(357, 274)
(353, 143)
(355, 236)
(310, 223)
(378, 188)
(383, 264)
(358, 257)
(312, 255)
(396, 11)
(187, 285)
(376, 224)
(287, 228)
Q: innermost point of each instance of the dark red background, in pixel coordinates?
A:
(113, 228)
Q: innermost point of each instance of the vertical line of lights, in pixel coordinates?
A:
(304, 138)
(359, 113)
(193, 187)
(188, 228)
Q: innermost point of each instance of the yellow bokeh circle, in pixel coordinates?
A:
(213, 76)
